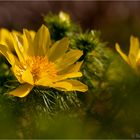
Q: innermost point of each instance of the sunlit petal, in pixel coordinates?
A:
(17, 72)
(121, 53)
(72, 68)
(27, 77)
(65, 86)
(66, 76)
(71, 85)
(22, 90)
(6, 38)
(8, 54)
(68, 59)
(134, 50)
(42, 41)
(77, 85)
(45, 81)
(58, 49)
(18, 47)
(28, 42)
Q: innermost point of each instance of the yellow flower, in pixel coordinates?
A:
(133, 58)
(64, 17)
(39, 64)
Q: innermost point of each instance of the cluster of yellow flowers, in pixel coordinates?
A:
(38, 62)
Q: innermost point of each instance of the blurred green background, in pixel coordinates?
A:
(110, 109)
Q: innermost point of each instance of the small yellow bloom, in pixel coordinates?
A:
(133, 58)
(39, 64)
(64, 17)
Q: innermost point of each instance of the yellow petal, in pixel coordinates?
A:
(76, 67)
(66, 76)
(138, 56)
(5, 38)
(27, 77)
(4, 33)
(65, 86)
(77, 85)
(42, 41)
(70, 85)
(16, 32)
(32, 33)
(58, 85)
(17, 40)
(16, 70)
(121, 53)
(45, 81)
(8, 54)
(58, 49)
(134, 45)
(22, 91)
(72, 68)
(134, 50)
(28, 42)
(68, 59)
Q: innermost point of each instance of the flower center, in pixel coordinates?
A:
(40, 67)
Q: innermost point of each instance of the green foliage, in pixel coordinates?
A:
(86, 41)
(60, 28)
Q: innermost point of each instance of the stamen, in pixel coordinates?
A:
(40, 66)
